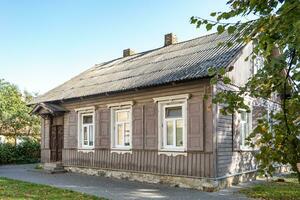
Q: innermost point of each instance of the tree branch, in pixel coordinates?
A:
(285, 91)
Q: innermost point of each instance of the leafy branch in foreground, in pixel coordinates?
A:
(275, 37)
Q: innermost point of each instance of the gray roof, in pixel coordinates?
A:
(178, 62)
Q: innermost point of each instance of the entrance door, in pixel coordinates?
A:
(56, 142)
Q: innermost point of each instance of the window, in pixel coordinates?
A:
(173, 126)
(86, 130)
(172, 117)
(121, 128)
(245, 126)
(258, 64)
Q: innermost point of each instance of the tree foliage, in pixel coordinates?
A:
(275, 33)
(15, 118)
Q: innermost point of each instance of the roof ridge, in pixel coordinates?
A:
(158, 48)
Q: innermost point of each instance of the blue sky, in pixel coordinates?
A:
(44, 43)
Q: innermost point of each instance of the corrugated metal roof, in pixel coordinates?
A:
(182, 61)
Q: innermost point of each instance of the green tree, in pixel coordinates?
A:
(275, 33)
(15, 118)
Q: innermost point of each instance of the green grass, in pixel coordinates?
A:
(288, 190)
(14, 189)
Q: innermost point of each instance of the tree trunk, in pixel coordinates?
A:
(298, 172)
(296, 168)
(298, 176)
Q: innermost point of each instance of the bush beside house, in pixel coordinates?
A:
(27, 151)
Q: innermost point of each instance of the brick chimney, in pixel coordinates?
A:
(128, 52)
(170, 38)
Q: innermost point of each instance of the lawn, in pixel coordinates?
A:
(287, 190)
(13, 189)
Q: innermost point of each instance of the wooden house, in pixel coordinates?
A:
(149, 117)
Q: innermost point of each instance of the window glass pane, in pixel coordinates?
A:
(241, 133)
(244, 116)
(127, 135)
(122, 116)
(246, 129)
(179, 133)
(87, 119)
(248, 117)
(242, 129)
(120, 134)
(91, 136)
(85, 142)
(174, 112)
(169, 132)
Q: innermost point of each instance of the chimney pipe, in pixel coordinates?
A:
(128, 52)
(170, 39)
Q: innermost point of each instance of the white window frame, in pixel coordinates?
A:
(81, 114)
(163, 103)
(165, 120)
(244, 135)
(88, 129)
(114, 130)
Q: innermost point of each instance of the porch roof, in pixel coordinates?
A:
(48, 108)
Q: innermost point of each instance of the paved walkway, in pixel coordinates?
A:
(112, 188)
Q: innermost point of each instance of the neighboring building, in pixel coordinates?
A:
(5, 139)
(2, 139)
(146, 117)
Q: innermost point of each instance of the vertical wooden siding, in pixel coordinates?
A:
(231, 159)
(194, 164)
(199, 161)
(45, 137)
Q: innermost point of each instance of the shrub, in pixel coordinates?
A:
(7, 153)
(27, 151)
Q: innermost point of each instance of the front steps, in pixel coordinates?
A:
(54, 167)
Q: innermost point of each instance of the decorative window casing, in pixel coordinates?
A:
(121, 126)
(245, 126)
(258, 64)
(86, 128)
(172, 122)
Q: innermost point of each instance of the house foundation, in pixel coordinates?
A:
(203, 184)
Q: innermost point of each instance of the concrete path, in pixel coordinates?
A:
(112, 188)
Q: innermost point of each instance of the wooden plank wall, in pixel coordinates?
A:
(199, 164)
(199, 161)
(45, 155)
(45, 137)
(230, 158)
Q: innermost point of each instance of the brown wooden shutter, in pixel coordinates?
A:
(195, 125)
(258, 112)
(151, 126)
(236, 136)
(137, 127)
(104, 128)
(72, 132)
(208, 119)
(97, 129)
